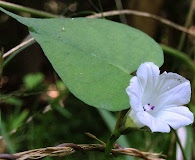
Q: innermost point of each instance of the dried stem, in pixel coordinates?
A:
(15, 7)
(21, 45)
(113, 13)
(70, 148)
(142, 14)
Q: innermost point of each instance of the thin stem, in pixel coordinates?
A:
(35, 12)
(143, 14)
(21, 45)
(94, 6)
(14, 51)
(97, 139)
(180, 145)
(117, 132)
(187, 23)
(110, 142)
(120, 118)
(106, 14)
(119, 6)
(171, 145)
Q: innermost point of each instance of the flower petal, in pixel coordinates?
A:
(134, 91)
(172, 89)
(155, 124)
(133, 115)
(156, 100)
(176, 117)
(148, 74)
(147, 77)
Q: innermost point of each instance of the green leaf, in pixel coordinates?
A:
(94, 57)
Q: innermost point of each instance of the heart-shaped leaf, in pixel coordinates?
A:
(94, 57)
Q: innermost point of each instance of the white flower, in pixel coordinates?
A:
(157, 100)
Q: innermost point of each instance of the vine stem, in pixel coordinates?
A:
(180, 145)
(110, 142)
(116, 133)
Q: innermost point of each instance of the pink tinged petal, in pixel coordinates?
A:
(173, 89)
(155, 124)
(134, 91)
(176, 117)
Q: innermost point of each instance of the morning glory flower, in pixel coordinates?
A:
(157, 99)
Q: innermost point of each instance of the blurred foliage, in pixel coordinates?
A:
(32, 81)
(36, 108)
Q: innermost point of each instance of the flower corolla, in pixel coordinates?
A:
(157, 99)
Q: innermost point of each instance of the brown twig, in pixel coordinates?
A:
(8, 156)
(21, 45)
(142, 14)
(114, 13)
(94, 137)
(70, 148)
